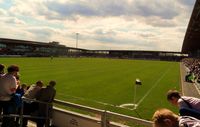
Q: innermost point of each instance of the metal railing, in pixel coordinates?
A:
(106, 116)
(20, 115)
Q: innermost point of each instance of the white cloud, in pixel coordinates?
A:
(2, 12)
(102, 24)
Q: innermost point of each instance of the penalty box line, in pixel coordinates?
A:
(155, 84)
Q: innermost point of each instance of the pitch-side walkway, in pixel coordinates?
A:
(188, 89)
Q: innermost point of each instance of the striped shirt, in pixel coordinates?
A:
(194, 102)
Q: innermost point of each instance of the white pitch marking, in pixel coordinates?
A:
(156, 83)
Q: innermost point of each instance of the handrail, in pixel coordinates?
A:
(34, 100)
(129, 118)
(73, 105)
(21, 114)
(105, 115)
(46, 117)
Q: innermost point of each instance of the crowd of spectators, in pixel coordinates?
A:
(35, 99)
(193, 69)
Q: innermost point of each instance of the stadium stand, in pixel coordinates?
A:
(191, 45)
(190, 74)
(17, 48)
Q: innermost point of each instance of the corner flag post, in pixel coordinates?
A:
(134, 101)
(137, 83)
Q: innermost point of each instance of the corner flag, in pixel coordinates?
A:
(138, 82)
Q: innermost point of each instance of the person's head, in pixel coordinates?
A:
(17, 79)
(13, 69)
(173, 96)
(52, 83)
(24, 86)
(2, 68)
(165, 118)
(39, 83)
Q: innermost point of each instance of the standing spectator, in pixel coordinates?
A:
(188, 106)
(166, 118)
(1, 74)
(45, 95)
(8, 85)
(33, 90)
(30, 106)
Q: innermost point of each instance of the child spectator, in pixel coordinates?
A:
(21, 89)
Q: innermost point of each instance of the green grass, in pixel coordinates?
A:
(93, 81)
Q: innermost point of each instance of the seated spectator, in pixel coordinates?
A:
(45, 95)
(166, 118)
(188, 106)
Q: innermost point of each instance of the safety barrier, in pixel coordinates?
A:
(66, 118)
(102, 118)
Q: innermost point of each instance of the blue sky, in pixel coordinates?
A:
(102, 24)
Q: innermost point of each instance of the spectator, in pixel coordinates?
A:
(30, 106)
(166, 118)
(1, 74)
(7, 88)
(189, 106)
(18, 81)
(21, 89)
(45, 95)
(33, 90)
(2, 70)
(193, 69)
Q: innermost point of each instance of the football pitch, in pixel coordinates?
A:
(105, 83)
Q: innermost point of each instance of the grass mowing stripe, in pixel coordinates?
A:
(84, 99)
(101, 82)
(156, 83)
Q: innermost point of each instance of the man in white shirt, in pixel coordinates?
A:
(8, 85)
(32, 92)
